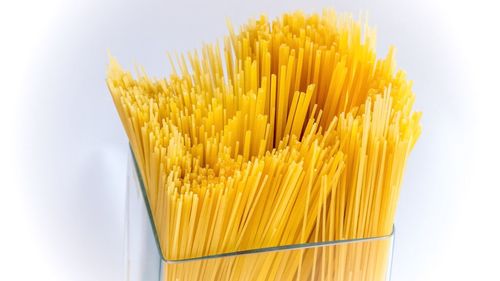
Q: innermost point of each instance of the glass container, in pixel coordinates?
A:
(358, 259)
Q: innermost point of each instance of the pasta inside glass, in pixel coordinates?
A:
(356, 259)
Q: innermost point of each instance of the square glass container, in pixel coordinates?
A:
(367, 259)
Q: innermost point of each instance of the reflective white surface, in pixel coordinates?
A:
(64, 153)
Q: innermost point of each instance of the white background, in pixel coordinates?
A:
(63, 150)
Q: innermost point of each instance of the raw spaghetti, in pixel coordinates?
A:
(289, 132)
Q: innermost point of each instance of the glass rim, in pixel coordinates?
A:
(299, 246)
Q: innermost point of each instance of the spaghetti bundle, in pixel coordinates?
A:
(290, 131)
